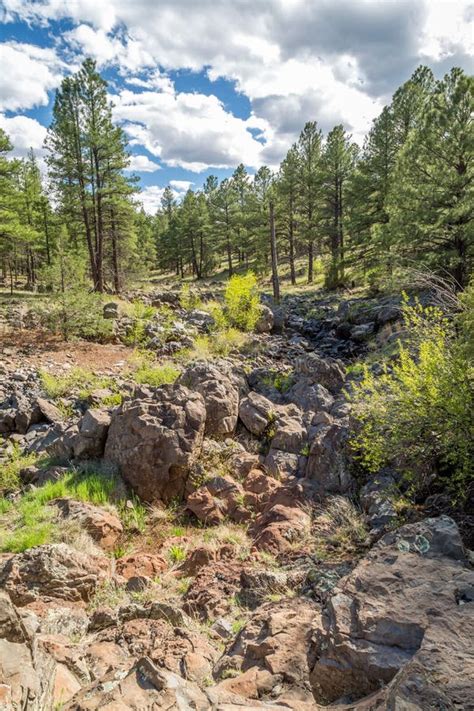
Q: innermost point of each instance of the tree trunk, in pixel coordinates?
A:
(273, 245)
(310, 263)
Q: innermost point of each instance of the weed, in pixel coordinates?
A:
(176, 554)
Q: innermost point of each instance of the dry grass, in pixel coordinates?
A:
(338, 529)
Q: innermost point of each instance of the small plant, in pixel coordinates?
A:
(9, 471)
(189, 299)
(242, 301)
(133, 515)
(238, 625)
(176, 554)
(148, 373)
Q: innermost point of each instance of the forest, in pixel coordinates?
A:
(349, 215)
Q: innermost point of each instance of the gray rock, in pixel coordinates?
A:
(221, 398)
(156, 441)
(93, 430)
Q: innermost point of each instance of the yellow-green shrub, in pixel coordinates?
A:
(419, 414)
(242, 301)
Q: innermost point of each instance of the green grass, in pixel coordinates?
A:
(147, 372)
(56, 386)
(176, 554)
(9, 471)
(31, 522)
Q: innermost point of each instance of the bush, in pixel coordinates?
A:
(75, 313)
(242, 301)
(419, 414)
(147, 372)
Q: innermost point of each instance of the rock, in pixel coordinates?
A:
(202, 320)
(51, 572)
(111, 310)
(220, 397)
(242, 463)
(201, 557)
(277, 639)
(376, 501)
(212, 590)
(222, 627)
(398, 617)
(327, 466)
(45, 411)
(363, 332)
(256, 412)
(218, 499)
(282, 464)
(279, 527)
(93, 430)
(155, 442)
(141, 564)
(310, 396)
(103, 526)
(144, 686)
(326, 371)
(265, 320)
(58, 443)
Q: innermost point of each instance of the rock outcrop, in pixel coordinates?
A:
(155, 441)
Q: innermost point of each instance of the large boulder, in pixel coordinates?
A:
(221, 397)
(219, 498)
(265, 320)
(256, 412)
(144, 686)
(403, 614)
(25, 672)
(276, 640)
(155, 441)
(93, 429)
(328, 466)
(51, 572)
(325, 371)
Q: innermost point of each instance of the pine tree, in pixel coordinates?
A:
(287, 196)
(337, 165)
(309, 151)
(87, 156)
(431, 200)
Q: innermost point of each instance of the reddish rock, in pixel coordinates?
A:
(102, 525)
(141, 564)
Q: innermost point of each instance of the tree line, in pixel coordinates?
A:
(356, 213)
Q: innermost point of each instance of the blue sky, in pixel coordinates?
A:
(200, 87)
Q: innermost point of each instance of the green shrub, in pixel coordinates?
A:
(419, 415)
(147, 372)
(141, 314)
(242, 301)
(189, 299)
(176, 553)
(84, 381)
(75, 313)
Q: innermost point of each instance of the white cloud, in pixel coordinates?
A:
(150, 198)
(28, 73)
(142, 164)
(181, 186)
(295, 60)
(25, 133)
(191, 131)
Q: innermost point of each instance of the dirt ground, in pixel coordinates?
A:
(30, 347)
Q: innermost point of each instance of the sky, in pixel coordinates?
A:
(200, 86)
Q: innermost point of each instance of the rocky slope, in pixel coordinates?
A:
(265, 574)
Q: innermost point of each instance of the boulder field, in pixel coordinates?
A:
(267, 575)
